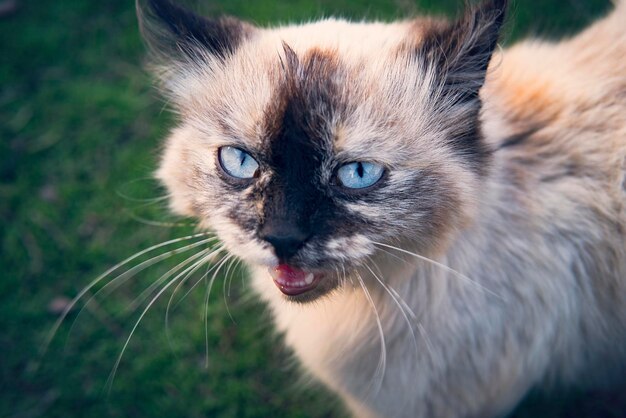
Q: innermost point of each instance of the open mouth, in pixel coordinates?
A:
(293, 281)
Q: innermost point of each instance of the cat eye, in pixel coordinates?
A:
(359, 174)
(237, 163)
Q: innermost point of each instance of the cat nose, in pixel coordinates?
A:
(286, 239)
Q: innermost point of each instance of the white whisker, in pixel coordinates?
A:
(206, 306)
(429, 345)
(169, 307)
(178, 286)
(393, 297)
(402, 301)
(382, 360)
(210, 269)
(393, 255)
(154, 285)
(346, 276)
(141, 200)
(151, 222)
(180, 283)
(228, 269)
(442, 266)
(214, 251)
(86, 289)
(230, 281)
(118, 281)
(191, 268)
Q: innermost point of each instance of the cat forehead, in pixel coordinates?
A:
(321, 81)
(254, 71)
(350, 39)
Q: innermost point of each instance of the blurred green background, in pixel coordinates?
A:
(80, 128)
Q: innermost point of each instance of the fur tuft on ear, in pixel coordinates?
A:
(176, 34)
(462, 49)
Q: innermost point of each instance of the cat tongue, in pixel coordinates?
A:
(292, 281)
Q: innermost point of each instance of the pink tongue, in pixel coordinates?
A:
(291, 280)
(287, 273)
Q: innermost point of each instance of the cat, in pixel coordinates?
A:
(436, 225)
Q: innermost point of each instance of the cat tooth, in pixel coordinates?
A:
(309, 278)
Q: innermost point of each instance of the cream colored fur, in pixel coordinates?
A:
(538, 292)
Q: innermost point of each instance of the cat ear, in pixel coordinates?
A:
(177, 35)
(461, 50)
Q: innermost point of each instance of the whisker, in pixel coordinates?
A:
(230, 281)
(206, 307)
(83, 292)
(126, 196)
(151, 222)
(193, 268)
(444, 267)
(403, 302)
(178, 286)
(216, 250)
(169, 302)
(191, 289)
(393, 255)
(392, 290)
(382, 360)
(124, 277)
(230, 265)
(346, 276)
(393, 297)
(164, 277)
(118, 281)
(429, 345)
(150, 200)
(337, 274)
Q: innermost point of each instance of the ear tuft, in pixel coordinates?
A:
(174, 33)
(462, 49)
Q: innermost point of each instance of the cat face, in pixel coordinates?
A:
(305, 147)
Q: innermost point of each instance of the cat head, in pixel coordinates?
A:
(306, 147)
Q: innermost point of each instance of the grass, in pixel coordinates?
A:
(80, 128)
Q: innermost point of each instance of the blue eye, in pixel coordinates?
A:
(359, 175)
(237, 163)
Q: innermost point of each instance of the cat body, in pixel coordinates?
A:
(488, 258)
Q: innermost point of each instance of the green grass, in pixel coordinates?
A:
(80, 126)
